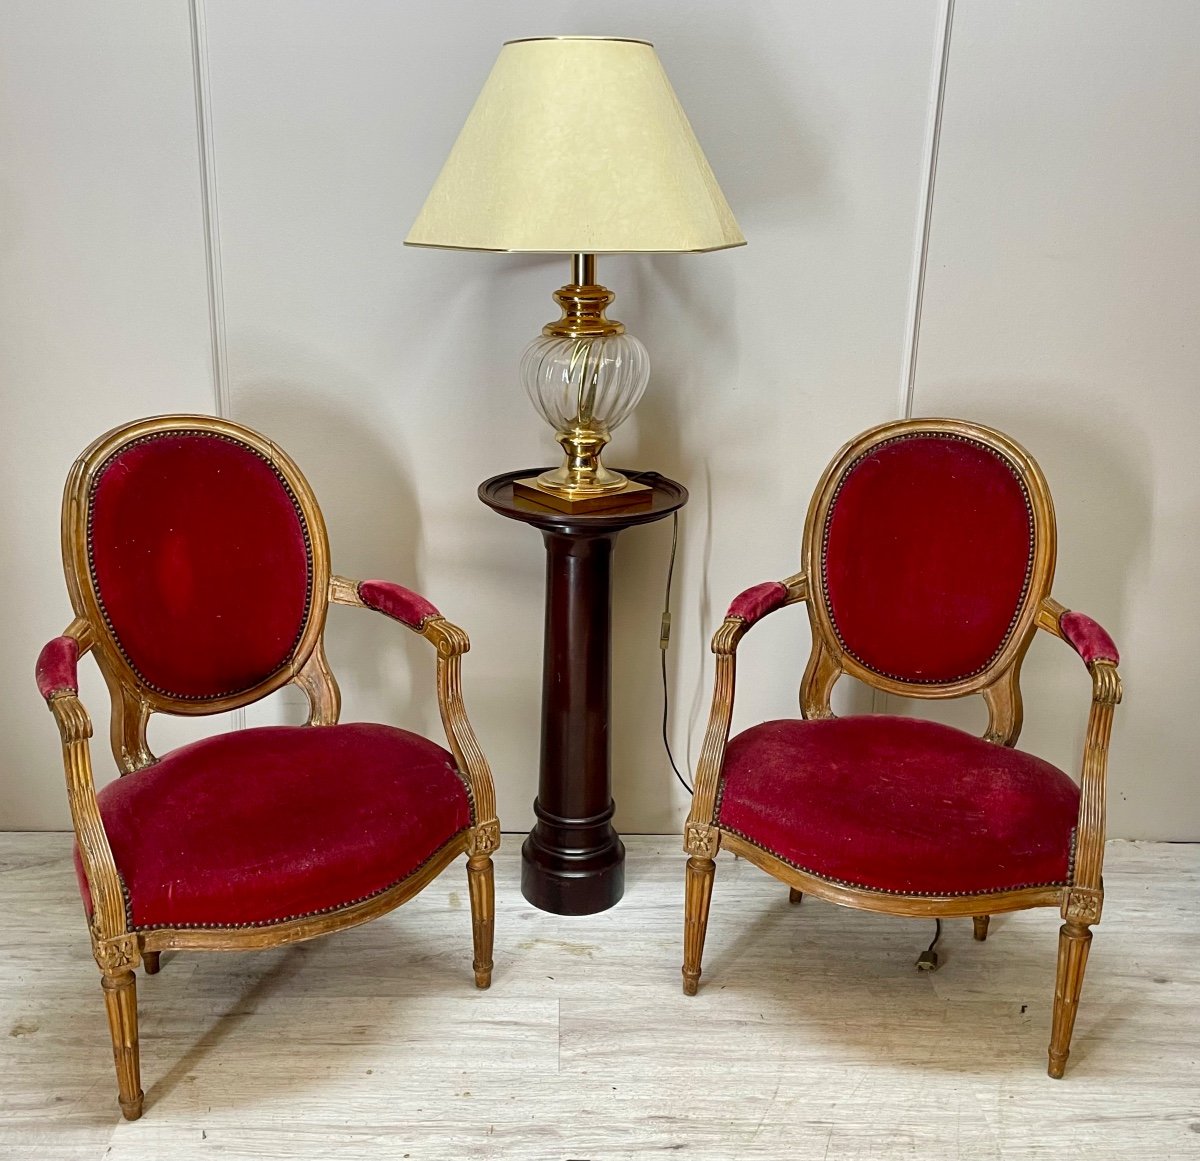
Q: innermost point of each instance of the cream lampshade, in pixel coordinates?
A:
(578, 145)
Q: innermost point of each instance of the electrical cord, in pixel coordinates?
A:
(664, 639)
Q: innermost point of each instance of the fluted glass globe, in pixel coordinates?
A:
(590, 382)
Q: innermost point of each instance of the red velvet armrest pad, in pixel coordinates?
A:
(758, 601)
(397, 602)
(57, 667)
(1087, 638)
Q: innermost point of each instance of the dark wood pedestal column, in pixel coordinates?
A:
(573, 862)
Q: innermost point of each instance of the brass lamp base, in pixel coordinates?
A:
(584, 375)
(632, 495)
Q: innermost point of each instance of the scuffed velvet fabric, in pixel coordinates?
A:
(264, 824)
(201, 563)
(1088, 639)
(899, 804)
(57, 667)
(397, 602)
(758, 601)
(926, 559)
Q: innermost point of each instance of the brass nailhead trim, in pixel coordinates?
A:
(287, 918)
(308, 596)
(130, 926)
(1028, 563)
(1070, 880)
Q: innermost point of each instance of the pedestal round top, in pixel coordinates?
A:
(666, 497)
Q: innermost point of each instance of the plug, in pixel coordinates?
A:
(927, 961)
(664, 632)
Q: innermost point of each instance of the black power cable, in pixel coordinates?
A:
(664, 639)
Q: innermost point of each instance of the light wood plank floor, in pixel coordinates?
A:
(813, 1035)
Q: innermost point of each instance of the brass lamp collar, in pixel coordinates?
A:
(583, 313)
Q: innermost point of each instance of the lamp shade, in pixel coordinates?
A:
(577, 145)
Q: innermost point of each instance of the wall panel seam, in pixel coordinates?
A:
(208, 204)
(207, 172)
(882, 702)
(933, 137)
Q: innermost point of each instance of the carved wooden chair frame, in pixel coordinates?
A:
(1081, 902)
(117, 948)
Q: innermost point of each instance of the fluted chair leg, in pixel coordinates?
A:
(699, 880)
(981, 926)
(481, 882)
(150, 962)
(120, 999)
(1074, 941)
(795, 895)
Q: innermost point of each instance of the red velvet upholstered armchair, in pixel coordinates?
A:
(928, 555)
(198, 568)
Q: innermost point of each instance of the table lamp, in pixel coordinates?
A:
(578, 145)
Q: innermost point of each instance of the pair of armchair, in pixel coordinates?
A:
(198, 568)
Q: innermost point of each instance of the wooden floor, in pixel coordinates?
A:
(813, 1036)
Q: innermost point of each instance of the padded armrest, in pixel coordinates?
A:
(756, 602)
(397, 602)
(57, 667)
(1087, 638)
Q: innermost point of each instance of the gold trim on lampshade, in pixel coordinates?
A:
(577, 145)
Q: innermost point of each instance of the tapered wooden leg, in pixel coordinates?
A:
(794, 896)
(150, 962)
(120, 998)
(481, 882)
(981, 926)
(699, 880)
(1074, 940)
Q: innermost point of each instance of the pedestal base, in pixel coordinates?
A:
(573, 866)
(573, 862)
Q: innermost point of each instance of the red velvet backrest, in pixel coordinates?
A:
(931, 542)
(199, 558)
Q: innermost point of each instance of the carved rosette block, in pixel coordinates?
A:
(1083, 905)
(701, 841)
(485, 839)
(116, 955)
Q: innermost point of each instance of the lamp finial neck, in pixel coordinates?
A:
(583, 304)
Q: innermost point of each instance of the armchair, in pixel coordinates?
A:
(198, 567)
(928, 555)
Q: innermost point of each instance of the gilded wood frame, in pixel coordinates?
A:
(118, 948)
(1081, 902)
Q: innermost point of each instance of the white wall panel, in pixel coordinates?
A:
(390, 373)
(1061, 305)
(103, 313)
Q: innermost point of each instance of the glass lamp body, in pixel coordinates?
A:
(584, 386)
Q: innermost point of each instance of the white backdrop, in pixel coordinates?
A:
(1059, 304)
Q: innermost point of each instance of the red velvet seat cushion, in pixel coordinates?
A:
(900, 805)
(260, 825)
